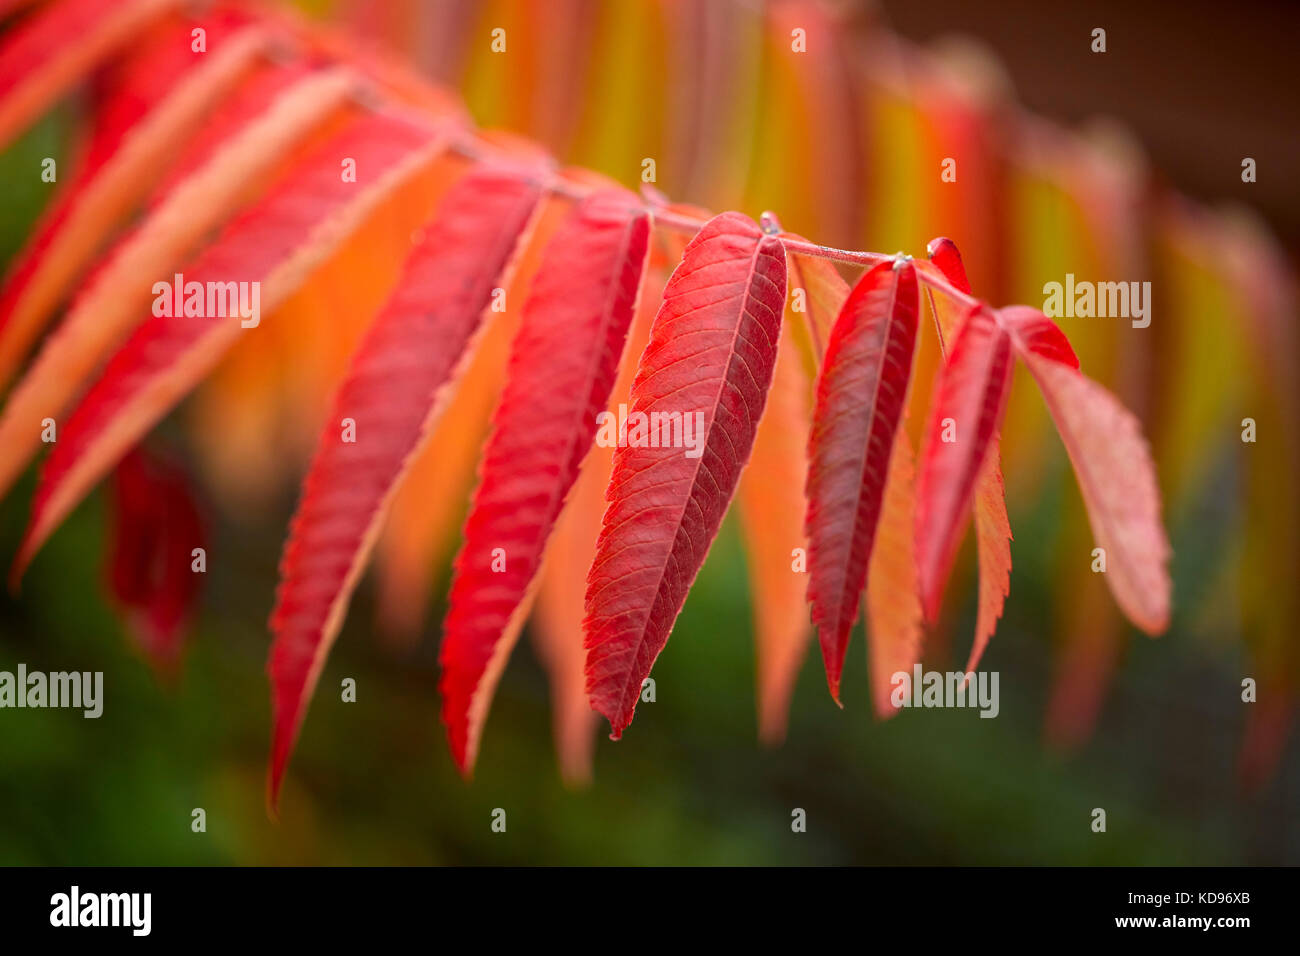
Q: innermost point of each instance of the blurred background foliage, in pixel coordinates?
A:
(845, 144)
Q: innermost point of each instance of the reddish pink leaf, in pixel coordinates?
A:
(277, 243)
(49, 52)
(1114, 468)
(709, 363)
(860, 396)
(970, 400)
(1036, 334)
(563, 363)
(155, 527)
(392, 395)
(992, 528)
(944, 254)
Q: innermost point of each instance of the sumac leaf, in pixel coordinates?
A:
(709, 363)
(771, 508)
(97, 202)
(1114, 469)
(992, 527)
(47, 54)
(563, 363)
(154, 529)
(277, 243)
(394, 390)
(116, 300)
(969, 403)
(860, 399)
(894, 621)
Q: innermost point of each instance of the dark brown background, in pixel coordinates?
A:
(1201, 84)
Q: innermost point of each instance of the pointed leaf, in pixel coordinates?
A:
(771, 503)
(428, 511)
(860, 397)
(992, 527)
(277, 243)
(970, 401)
(557, 621)
(894, 620)
(709, 362)
(1116, 475)
(562, 366)
(394, 391)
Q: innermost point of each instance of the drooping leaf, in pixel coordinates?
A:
(970, 400)
(771, 507)
(47, 54)
(992, 527)
(154, 531)
(558, 613)
(860, 397)
(277, 243)
(708, 365)
(1036, 334)
(395, 389)
(120, 293)
(563, 364)
(98, 201)
(1113, 465)
(428, 510)
(894, 619)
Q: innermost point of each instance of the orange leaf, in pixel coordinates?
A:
(771, 503)
(94, 206)
(277, 243)
(894, 620)
(119, 295)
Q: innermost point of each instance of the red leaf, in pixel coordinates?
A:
(154, 530)
(277, 243)
(49, 52)
(860, 397)
(944, 254)
(970, 400)
(1113, 466)
(563, 364)
(709, 361)
(992, 528)
(1036, 334)
(393, 393)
